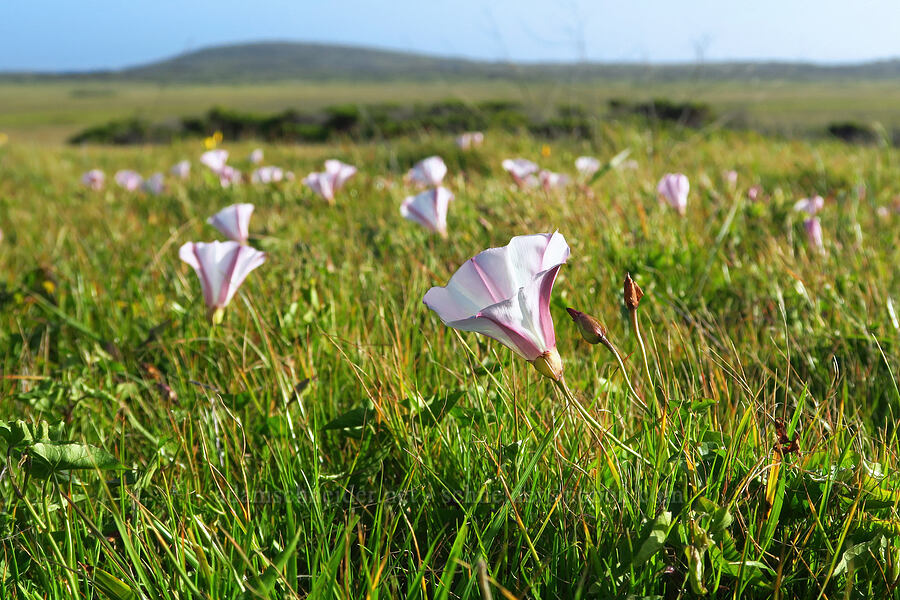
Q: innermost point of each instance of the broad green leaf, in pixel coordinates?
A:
(111, 586)
(654, 540)
(439, 407)
(48, 458)
(352, 419)
(857, 553)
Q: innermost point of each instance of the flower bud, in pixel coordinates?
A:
(549, 364)
(216, 315)
(590, 328)
(633, 293)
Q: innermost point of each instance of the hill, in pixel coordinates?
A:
(290, 61)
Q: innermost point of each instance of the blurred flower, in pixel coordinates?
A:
(228, 176)
(504, 293)
(731, 177)
(885, 211)
(128, 179)
(222, 268)
(470, 139)
(181, 170)
(545, 150)
(214, 159)
(814, 233)
(754, 192)
(233, 221)
(155, 184)
(522, 171)
(428, 172)
(321, 184)
(550, 180)
(340, 172)
(256, 156)
(327, 183)
(429, 209)
(267, 175)
(674, 188)
(587, 165)
(810, 205)
(94, 179)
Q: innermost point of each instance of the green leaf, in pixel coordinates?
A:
(262, 585)
(654, 540)
(614, 162)
(439, 407)
(352, 419)
(111, 586)
(51, 457)
(855, 553)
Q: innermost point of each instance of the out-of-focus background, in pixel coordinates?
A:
(153, 71)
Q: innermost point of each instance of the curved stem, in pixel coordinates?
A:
(637, 332)
(640, 402)
(561, 384)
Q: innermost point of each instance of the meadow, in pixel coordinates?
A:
(51, 111)
(332, 438)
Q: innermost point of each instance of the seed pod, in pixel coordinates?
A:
(633, 293)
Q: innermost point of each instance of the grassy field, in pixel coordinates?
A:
(50, 112)
(332, 438)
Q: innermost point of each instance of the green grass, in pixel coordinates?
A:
(333, 439)
(49, 112)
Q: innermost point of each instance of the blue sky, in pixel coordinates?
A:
(90, 34)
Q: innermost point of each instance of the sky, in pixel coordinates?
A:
(63, 35)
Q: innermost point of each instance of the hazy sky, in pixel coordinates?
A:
(91, 34)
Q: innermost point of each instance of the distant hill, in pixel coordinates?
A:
(286, 61)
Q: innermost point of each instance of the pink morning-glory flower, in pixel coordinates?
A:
(587, 165)
(327, 183)
(428, 172)
(233, 221)
(429, 209)
(340, 172)
(522, 171)
(155, 184)
(550, 180)
(267, 175)
(128, 179)
(94, 179)
(214, 159)
(814, 233)
(674, 188)
(321, 184)
(256, 156)
(469, 140)
(228, 176)
(222, 268)
(181, 169)
(504, 293)
(810, 205)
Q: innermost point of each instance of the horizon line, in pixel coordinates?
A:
(456, 57)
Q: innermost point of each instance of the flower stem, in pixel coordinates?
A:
(659, 411)
(640, 402)
(561, 384)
